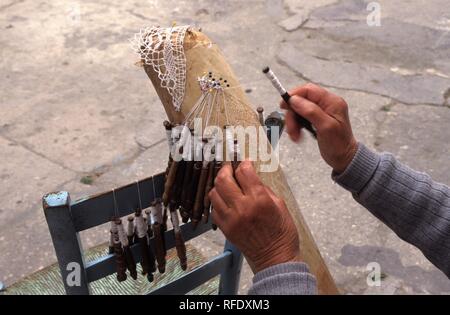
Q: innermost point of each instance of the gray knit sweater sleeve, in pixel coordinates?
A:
(284, 279)
(415, 207)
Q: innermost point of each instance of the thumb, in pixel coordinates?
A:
(309, 110)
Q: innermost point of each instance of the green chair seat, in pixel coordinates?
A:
(47, 281)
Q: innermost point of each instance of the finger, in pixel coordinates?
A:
(311, 92)
(293, 128)
(270, 192)
(219, 205)
(310, 111)
(226, 185)
(247, 177)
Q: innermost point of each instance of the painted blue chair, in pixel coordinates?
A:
(65, 220)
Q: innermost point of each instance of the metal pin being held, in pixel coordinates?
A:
(286, 97)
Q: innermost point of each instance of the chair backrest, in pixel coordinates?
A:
(65, 220)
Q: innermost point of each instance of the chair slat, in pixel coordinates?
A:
(106, 265)
(96, 210)
(196, 277)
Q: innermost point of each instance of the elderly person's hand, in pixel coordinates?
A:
(329, 115)
(253, 218)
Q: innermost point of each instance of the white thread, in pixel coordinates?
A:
(130, 227)
(140, 226)
(229, 140)
(113, 226)
(162, 48)
(153, 215)
(115, 236)
(169, 139)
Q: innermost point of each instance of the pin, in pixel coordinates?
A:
(260, 111)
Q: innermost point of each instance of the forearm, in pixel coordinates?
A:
(291, 278)
(415, 207)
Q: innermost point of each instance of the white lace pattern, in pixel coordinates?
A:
(162, 48)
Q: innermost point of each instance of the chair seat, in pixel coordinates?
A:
(47, 281)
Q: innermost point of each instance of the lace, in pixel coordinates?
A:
(162, 48)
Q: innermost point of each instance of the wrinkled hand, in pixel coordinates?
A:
(253, 218)
(329, 115)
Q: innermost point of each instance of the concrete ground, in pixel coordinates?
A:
(73, 104)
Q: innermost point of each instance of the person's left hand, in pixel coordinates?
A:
(253, 218)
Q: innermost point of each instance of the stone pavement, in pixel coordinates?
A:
(78, 115)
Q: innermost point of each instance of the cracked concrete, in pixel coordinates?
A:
(74, 104)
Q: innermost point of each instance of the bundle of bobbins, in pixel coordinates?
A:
(188, 181)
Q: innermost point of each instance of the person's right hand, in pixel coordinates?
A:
(328, 113)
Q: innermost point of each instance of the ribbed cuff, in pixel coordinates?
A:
(360, 171)
(283, 279)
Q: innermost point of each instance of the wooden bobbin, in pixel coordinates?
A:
(129, 259)
(159, 247)
(181, 250)
(184, 211)
(130, 230)
(178, 184)
(179, 241)
(168, 185)
(169, 164)
(121, 265)
(209, 186)
(192, 192)
(217, 167)
(111, 244)
(143, 243)
(200, 195)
